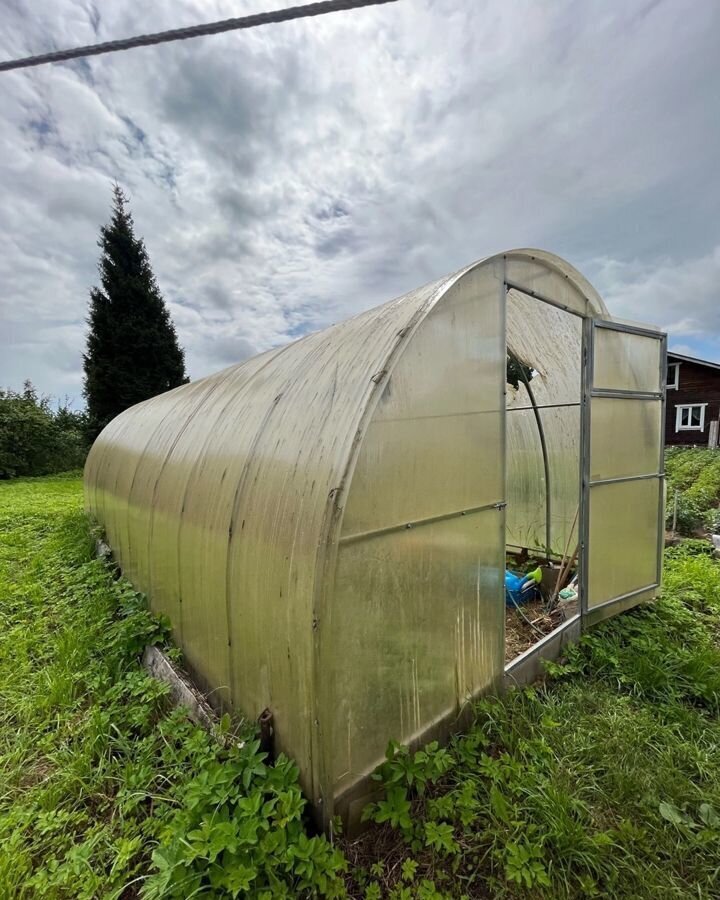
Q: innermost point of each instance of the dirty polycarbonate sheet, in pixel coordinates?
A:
(159, 426)
(190, 520)
(434, 444)
(626, 361)
(128, 437)
(625, 437)
(548, 340)
(623, 538)
(555, 279)
(212, 472)
(238, 492)
(526, 488)
(562, 430)
(285, 499)
(416, 629)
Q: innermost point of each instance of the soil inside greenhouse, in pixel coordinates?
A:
(526, 625)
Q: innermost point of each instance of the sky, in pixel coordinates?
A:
(288, 177)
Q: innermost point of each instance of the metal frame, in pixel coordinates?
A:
(511, 286)
(641, 330)
(589, 392)
(527, 667)
(627, 596)
(622, 478)
(503, 447)
(416, 523)
(615, 394)
(586, 365)
(661, 460)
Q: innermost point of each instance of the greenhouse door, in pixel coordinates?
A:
(622, 460)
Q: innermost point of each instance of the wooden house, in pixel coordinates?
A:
(693, 401)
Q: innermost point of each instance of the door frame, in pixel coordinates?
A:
(528, 666)
(591, 614)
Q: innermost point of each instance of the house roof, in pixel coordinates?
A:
(692, 359)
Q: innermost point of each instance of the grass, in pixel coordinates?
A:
(104, 790)
(604, 781)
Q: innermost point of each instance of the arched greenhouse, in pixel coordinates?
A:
(326, 524)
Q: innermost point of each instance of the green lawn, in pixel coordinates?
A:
(605, 782)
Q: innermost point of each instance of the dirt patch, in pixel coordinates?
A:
(529, 624)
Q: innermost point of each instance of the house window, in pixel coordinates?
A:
(690, 417)
(672, 378)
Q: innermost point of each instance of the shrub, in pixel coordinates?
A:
(34, 439)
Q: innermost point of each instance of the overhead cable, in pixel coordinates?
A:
(193, 31)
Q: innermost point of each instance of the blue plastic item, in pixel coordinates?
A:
(520, 589)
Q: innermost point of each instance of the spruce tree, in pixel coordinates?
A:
(132, 348)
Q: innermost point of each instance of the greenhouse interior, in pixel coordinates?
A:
(367, 529)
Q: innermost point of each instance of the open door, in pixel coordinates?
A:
(622, 504)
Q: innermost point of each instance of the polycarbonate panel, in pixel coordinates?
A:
(434, 445)
(625, 361)
(549, 341)
(552, 277)
(217, 496)
(415, 631)
(562, 431)
(191, 521)
(526, 487)
(625, 437)
(623, 538)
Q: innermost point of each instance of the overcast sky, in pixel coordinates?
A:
(287, 177)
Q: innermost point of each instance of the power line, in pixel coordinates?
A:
(182, 34)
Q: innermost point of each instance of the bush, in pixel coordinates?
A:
(34, 439)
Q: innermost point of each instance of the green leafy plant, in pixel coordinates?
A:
(524, 864)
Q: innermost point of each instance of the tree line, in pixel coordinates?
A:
(132, 353)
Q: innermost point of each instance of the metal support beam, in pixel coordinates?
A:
(418, 523)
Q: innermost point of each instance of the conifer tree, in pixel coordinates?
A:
(132, 348)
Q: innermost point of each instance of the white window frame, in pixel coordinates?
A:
(680, 408)
(675, 383)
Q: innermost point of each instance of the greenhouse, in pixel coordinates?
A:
(328, 525)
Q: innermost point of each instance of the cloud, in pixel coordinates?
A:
(680, 296)
(287, 177)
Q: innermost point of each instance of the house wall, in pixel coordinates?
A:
(697, 384)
